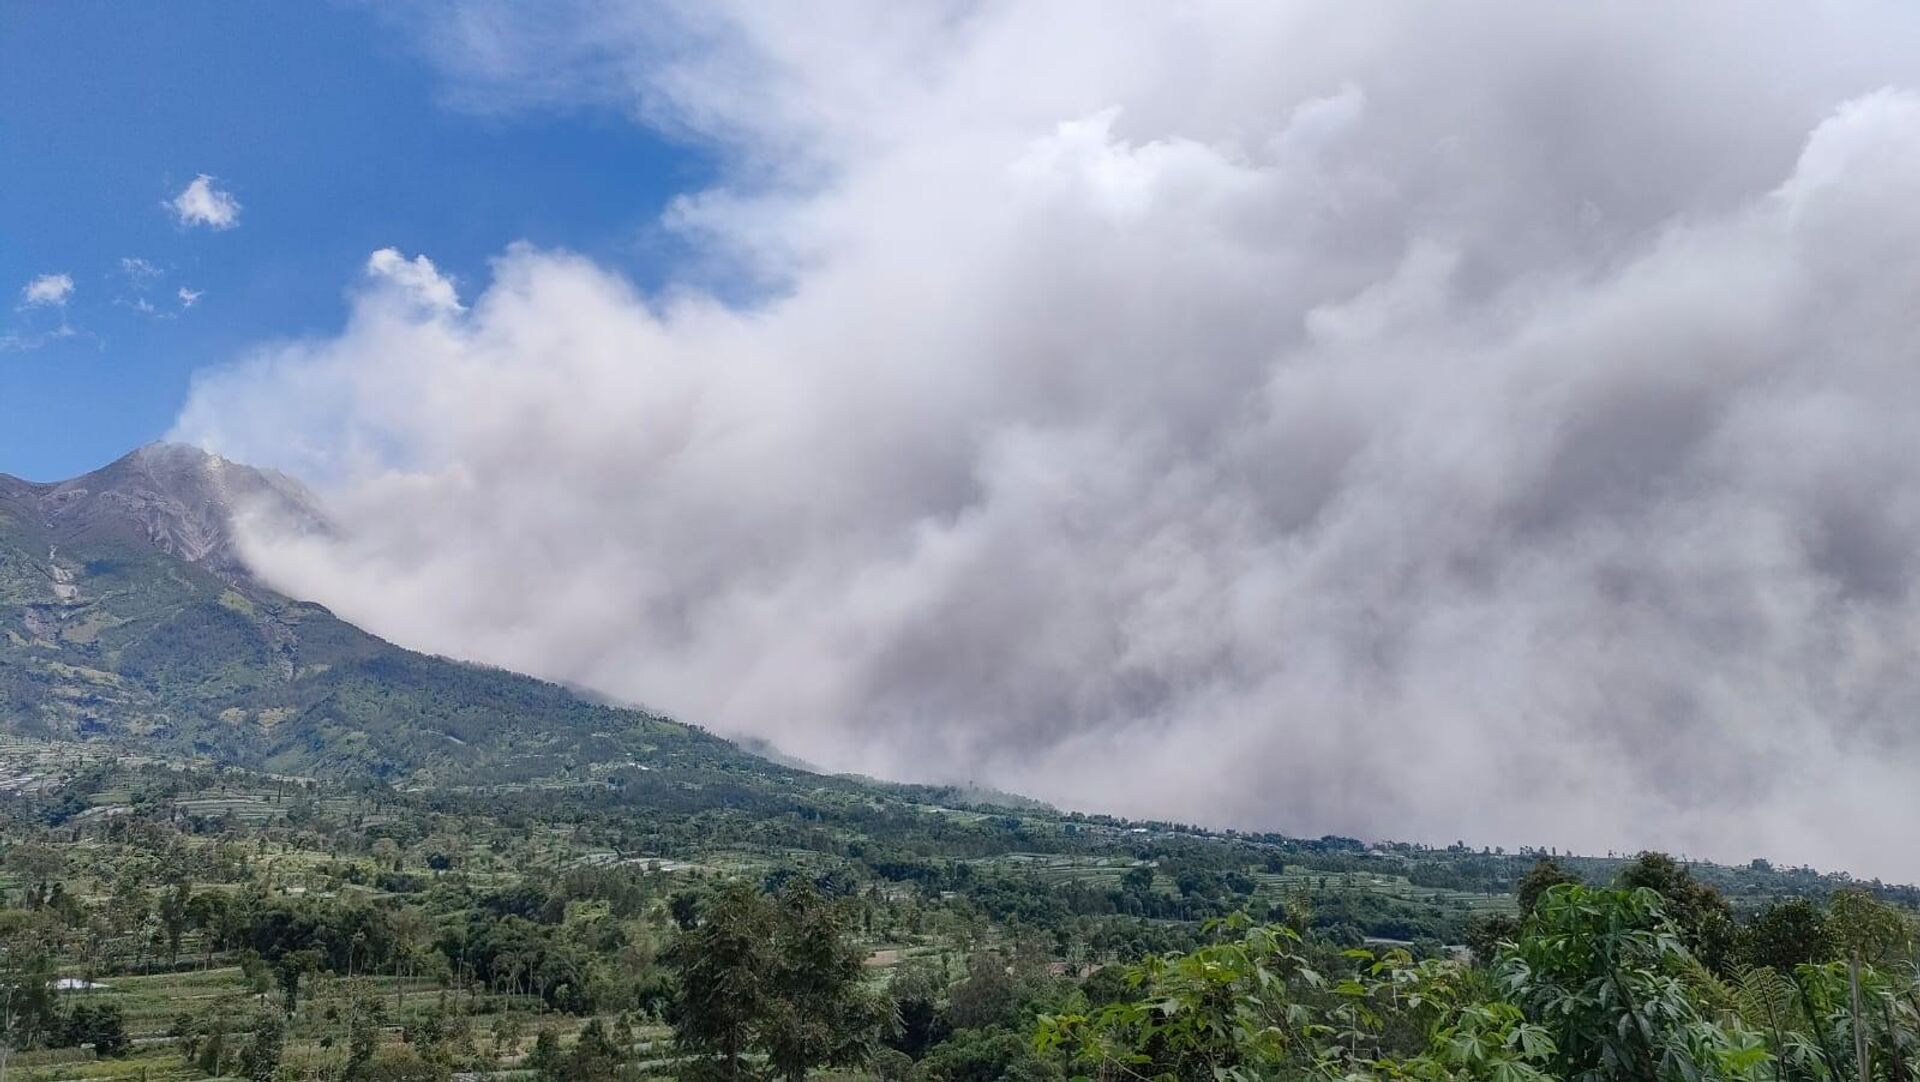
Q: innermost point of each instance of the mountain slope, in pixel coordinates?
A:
(126, 614)
(175, 498)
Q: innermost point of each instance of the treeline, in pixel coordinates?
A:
(1597, 984)
(1653, 978)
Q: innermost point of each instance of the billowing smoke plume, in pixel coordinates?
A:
(1416, 421)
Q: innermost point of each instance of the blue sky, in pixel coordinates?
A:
(333, 136)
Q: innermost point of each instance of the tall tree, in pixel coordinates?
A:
(261, 1056)
(1702, 915)
(820, 1013)
(1545, 874)
(1787, 934)
(724, 963)
(774, 976)
(27, 1008)
(175, 914)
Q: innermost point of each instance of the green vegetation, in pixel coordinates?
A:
(1598, 984)
(110, 640)
(208, 921)
(240, 838)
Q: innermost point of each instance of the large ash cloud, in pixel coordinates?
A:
(1482, 422)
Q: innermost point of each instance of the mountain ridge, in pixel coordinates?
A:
(180, 498)
(127, 614)
(112, 634)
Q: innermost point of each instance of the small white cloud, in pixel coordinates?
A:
(417, 279)
(48, 290)
(145, 307)
(200, 203)
(140, 273)
(26, 342)
(189, 297)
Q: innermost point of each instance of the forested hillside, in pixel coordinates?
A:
(180, 919)
(241, 838)
(127, 616)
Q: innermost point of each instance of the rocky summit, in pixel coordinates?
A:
(177, 498)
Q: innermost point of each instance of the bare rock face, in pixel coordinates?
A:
(177, 498)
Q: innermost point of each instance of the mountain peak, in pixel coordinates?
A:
(180, 498)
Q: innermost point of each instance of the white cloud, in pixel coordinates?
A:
(200, 203)
(1483, 421)
(18, 342)
(140, 273)
(189, 297)
(48, 290)
(141, 277)
(416, 280)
